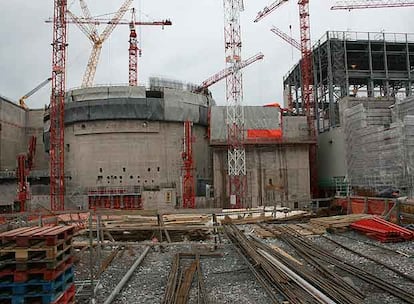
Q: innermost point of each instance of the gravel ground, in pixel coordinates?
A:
(400, 262)
(228, 279)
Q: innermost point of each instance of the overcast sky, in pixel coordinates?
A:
(191, 50)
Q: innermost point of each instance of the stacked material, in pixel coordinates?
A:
(382, 230)
(380, 145)
(36, 265)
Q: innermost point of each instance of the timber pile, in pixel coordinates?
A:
(250, 219)
(338, 221)
(139, 222)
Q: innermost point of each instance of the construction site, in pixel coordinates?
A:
(173, 191)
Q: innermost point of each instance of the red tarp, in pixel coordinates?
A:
(264, 133)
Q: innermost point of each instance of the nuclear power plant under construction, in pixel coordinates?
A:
(168, 191)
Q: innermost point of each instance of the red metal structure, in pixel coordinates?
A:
(363, 4)
(125, 198)
(25, 162)
(57, 107)
(227, 72)
(88, 26)
(188, 168)
(306, 72)
(134, 51)
(236, 154)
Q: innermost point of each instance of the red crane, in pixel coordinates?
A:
(308, 103)
(359, 4)
(134, 51)
(236, 154)
(227, 72)
(188, 188)
(57, 106)
(88, 26)
(25, 162)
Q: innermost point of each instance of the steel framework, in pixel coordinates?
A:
(57, 107)
(236, 154)
(354, 64)
(134, 51)
(188, 168)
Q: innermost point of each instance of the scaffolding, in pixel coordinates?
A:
(380, 146)
(354, 64)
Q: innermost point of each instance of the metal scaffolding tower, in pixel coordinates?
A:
(234, 97)
(57, 107)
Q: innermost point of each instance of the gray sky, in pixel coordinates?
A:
(191, 50)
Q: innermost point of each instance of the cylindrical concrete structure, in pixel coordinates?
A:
(131, 138)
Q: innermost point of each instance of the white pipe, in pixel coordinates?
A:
(322, 298)
(126, 277)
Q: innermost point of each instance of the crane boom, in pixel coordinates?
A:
(37, 88)
(227, 71)
(269, 9)
(286, 37)
(359, 4)
(101, 21)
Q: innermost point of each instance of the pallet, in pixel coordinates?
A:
(38, 298)
(37, 286)
(10, 274)
(37, 251)
(25, 236)
(26, 265)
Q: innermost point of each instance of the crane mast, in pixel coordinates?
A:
(133, 52)
(363, 4)
(57, 106)
(236, 154)
(308, 104)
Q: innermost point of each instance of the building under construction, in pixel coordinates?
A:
(160, 193)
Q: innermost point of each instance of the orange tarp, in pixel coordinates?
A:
(266, 133)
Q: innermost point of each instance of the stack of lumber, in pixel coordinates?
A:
(36, 265)
(338, 221)
(382, 230)
(170, 221)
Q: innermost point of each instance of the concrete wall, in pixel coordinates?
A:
(129, 153)
(34, 126)
(276, 174)
(331, 154)
(12, 134)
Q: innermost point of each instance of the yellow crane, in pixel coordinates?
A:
(27, 95)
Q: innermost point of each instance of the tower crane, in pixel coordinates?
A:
(25, 162)
(57, 106)
(236, 154)
(89, 29)
(359, 4)
(306, 72)
(87, 25)
(227, 72)
(27, 95)
(134, 51)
